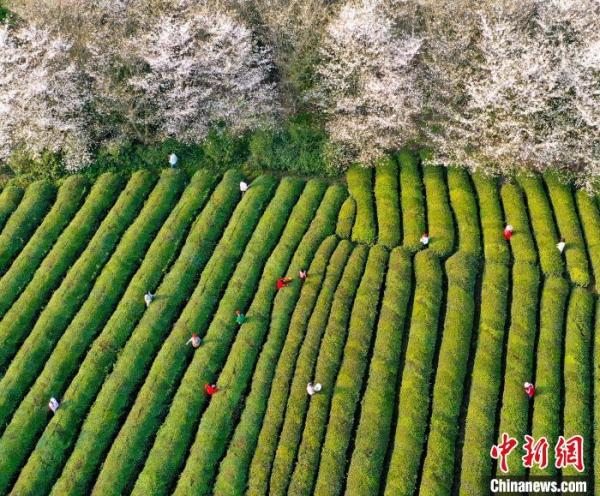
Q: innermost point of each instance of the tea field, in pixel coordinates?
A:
(422, 351)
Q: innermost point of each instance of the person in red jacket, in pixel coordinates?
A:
(508, 232)
(210, 389)
(529, 389)
(282, 282)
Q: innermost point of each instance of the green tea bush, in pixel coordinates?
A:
(465, 209)
(187, 405)
(514, 415)
(63, 429)
(346, 217)
(542, 223)
(68, 200)
(439, 214)
(360, 185)
(296, 363)
(387, 202)
(132, 366)
(74, 289)
(590, 221)
(154, 396)
(329, 352)
(219, 418)
(412, 200)
(414, 394)
(491, 217)
(596, 395)
(61, 361)
(548, 381)
(28, 215)
(578, 373)
(568, 225)
(374, 428)
(348, 384)
(438, 469)
(19, 318)
(317, 293)
(486, 380)
(9, 200)
(515, 214)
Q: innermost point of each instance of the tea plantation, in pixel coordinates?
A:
(421, 350)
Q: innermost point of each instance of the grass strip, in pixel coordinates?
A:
(439, 214)
(438, 469)
(348, 384)
(18, 320)
(281, 349)
(58, 438)
(28, 215)
(377, 409)
(68, 200)
(387, 202)
(329, 351)
(414, 394)
(360, 185)
(413, 202)
(220, 416)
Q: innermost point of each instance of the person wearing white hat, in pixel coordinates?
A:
(173, 159)
(53, 404)
(243, 186)
(561, 245)
(313, 388)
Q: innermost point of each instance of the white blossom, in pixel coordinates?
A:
(367, 84)
(43, 96)
(203, 68)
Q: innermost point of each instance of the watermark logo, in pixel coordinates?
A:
(568, 452)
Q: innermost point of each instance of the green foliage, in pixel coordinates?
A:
(439, 215)
(62, 361)
(438, 470)
(36, 202)
(346, 218)
(299, 351)
(187, 405)
(296, 146)
(595, 356)
(329, 352)
(413, 202)
(578, 373)
(147, 412)
(27, 168)
(374, 428)
(21, 315)
(63, 429)
(548, 380)
(485, 391)
(69, 199)
(132, 366)
(348, 384)
(542, 221)
(568, 224)
(387, 202)
(219, 417)
(317, 292)
(590, 221)
(464, 205)
(414, 394)
(9, 200)
(515, 213)
(491, 217)
(519, 354)
(360, 185)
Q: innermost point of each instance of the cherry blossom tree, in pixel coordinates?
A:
(43, 97)
(367, 82)
(203, 69)
(526, 96)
